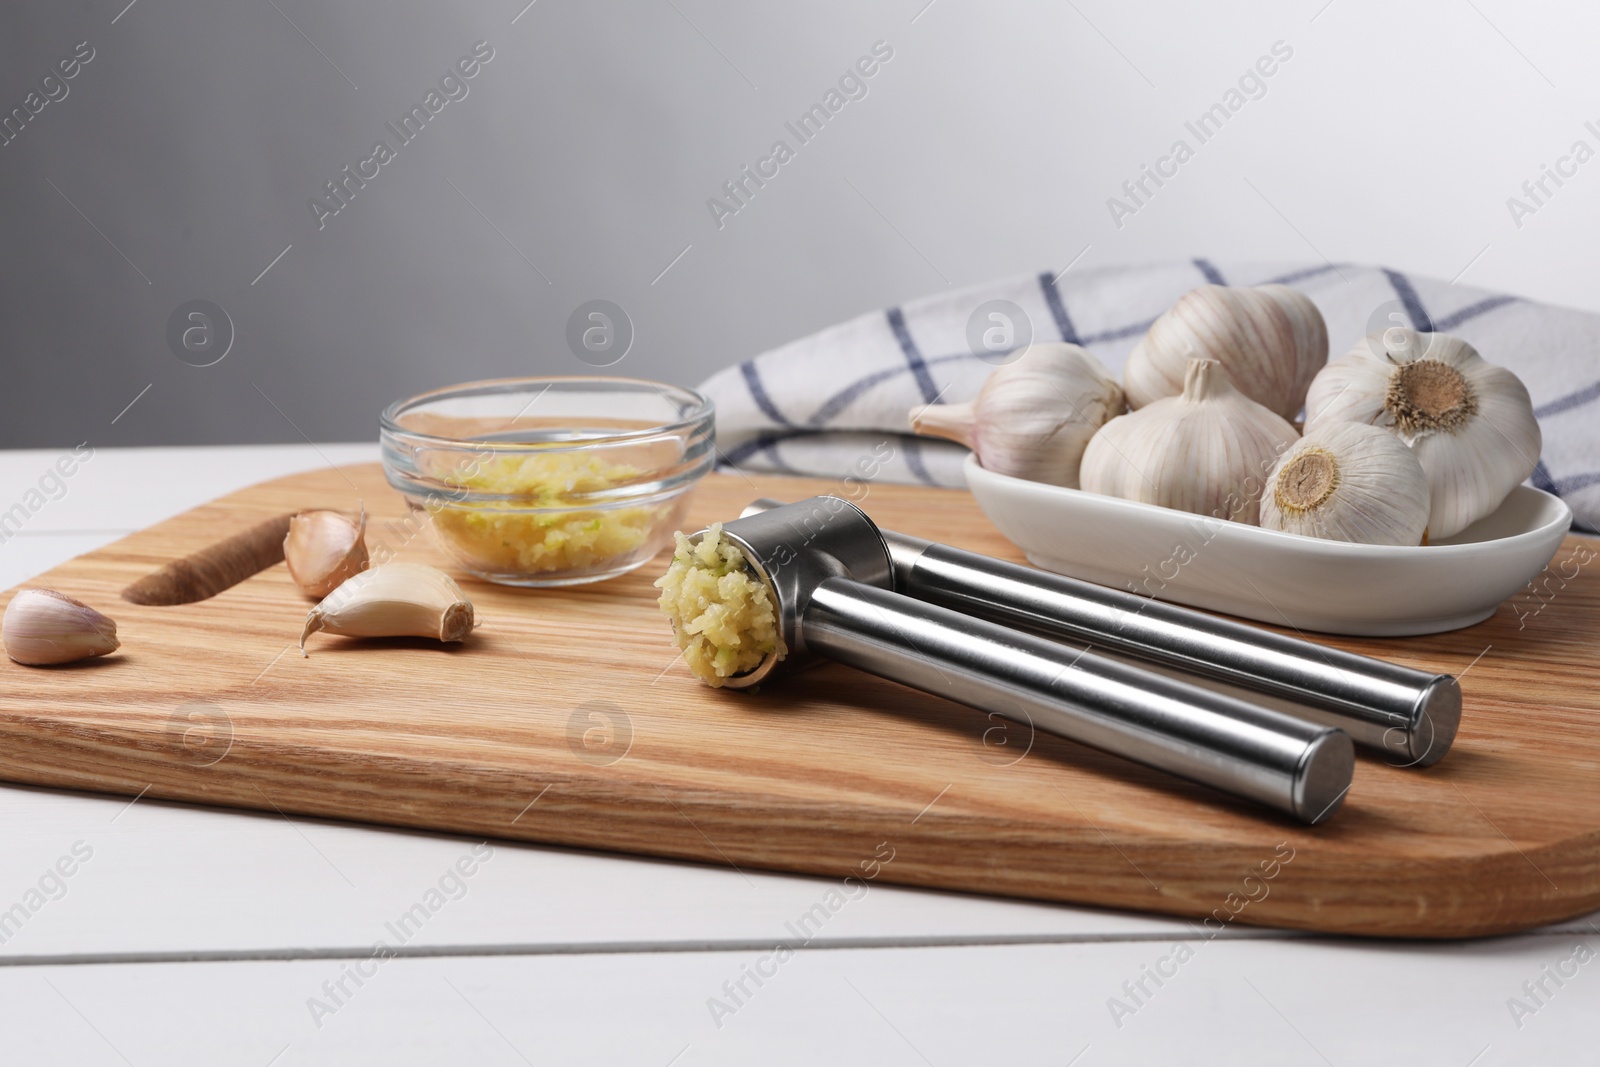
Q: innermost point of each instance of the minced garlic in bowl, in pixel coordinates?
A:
(546, 481)
(533, 533)
(722, 613)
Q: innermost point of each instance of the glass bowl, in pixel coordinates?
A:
(549, 481)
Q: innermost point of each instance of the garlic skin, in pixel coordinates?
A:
(1207, 450)
(1271, 340)
(394, 600)
(42, 628)
(1469, 422)
(1034, 416)
(323, 549)
(1344, 481)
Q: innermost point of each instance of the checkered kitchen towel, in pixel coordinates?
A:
(821, 404)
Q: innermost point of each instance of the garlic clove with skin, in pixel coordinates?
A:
(1271, 340)
(394, 600)
(1469, 422)
(1034, 416)
(323, 548)
(1207, 450)
(1344, 481)
(43, 628)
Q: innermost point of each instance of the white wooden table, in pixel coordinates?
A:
(199, 936)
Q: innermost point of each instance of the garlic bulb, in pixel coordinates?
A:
(323, 548)
(1207, 450)
(42, 628)
(394, 600)
(1344, 481)
(1469, 422)
(1034, 416)
(1271, 340)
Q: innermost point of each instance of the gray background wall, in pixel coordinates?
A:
(181, 161)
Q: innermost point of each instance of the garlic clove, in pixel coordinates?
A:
(323, 549)
(42, 627)
(1470, 423)
(1271, 340)
(394, 600)
(1034, 416)
(1346, 481)
(1207, 450)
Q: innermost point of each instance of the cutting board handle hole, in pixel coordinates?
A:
(223, 565)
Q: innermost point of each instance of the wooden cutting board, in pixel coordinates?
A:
(567, 718)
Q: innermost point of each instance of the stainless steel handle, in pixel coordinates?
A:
(1291, 765)
(1408, 714)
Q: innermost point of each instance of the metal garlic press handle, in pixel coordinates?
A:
(1408, 714)
(1297, 767)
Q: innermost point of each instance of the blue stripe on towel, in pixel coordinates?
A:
(1212, 274)
(847, 396)
(759, 443)
(758, 393)
(770, 450)
(1568, 402)
(919, 367)
(1541, 478)
(1300, 275)
(1052, 296)
(836, 403)
(766, 443)
(1413, 304)
(1472, 311)
(1573, 482)
(913, 450)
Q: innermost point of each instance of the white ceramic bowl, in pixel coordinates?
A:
(1279, 578)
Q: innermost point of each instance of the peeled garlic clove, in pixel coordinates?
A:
(1034, 416)
(1270, 339)
(1470, 423)
(1345, 481)
(394, 600)
(1207, 450)
(43, 627)
(323, 549)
